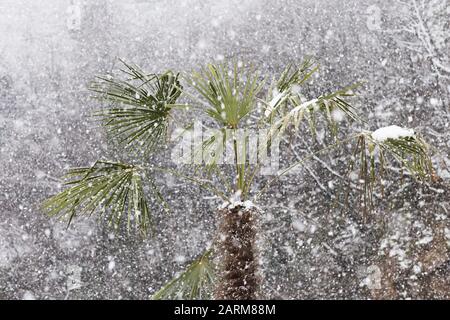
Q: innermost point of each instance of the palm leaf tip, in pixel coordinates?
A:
(145, 101)
(193, 283)
(296, 75)
(109, 188)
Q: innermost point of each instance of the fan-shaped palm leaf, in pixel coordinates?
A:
(230, 97)
(147, 99)
(107, 187)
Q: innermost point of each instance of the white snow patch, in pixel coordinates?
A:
(28, 295)
(304, 105)
(233, 204)
(338, 115)
(265, 48)
(354, 176)
(447, 235)
(295, 89)
(268, 217)
(202, 44)
(289, 250)
(419, 100)
(298, 225)
(391, 132)
(434, 102)
(277, 97)
(425, 240)
(179, 258)
(111, 265)
(236, 202)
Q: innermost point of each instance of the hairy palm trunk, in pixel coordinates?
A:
(238, 279)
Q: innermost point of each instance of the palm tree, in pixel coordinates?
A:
(231, 97)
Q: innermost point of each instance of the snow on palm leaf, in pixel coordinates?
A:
(404, 145)
(288, 107)
(391, 132)
(326, 105)
(373, 150)
(288, 85)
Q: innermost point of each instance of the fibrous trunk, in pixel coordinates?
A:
(238, 279)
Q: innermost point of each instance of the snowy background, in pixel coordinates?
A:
(51, 49)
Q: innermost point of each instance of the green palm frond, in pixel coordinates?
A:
(286, 106)
(145, 101)
(110, 188)
(229, 97)
(372, 155)
(293, 75)
(296, 75)
(411, 151)
(330, 106)
(194, 283)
